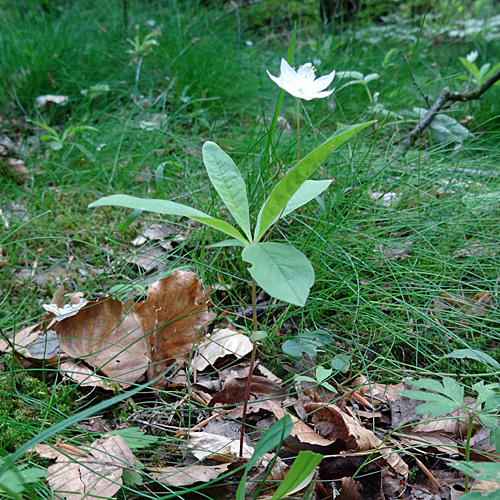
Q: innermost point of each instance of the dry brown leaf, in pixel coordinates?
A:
(453, 424)
(221, 343)
(207, 445)
(301, 431)
(234, 390)
(83, 375)
(485, 486)
(333, 423)
(37, 343)
(350, 489)
(173, 318)
(97, 474)
(186, 476)
(106, 336)
(442, 442)
(377, 393)
(16, 169)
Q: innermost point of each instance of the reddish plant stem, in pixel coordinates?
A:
(250, 369)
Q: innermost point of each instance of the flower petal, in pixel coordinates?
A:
(323, 81)
(287, 72)
(321, 95)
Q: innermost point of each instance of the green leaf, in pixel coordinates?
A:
(307, 342)
(299, 475)
(486, 471)
(491, 71)
(475, 355)
(166, 207)
(131, 477)
(341, 362)
(228, 243)
(281, 270)
(445, 128)
(130, 219)
(56, 145)
(437, 409)
(228, 182)
(16, 479)
(136, 438)
(258, 335)
(307, 192)
(292, 181)
(323, 373)
(273, 437)
(470, 67)
(356, 75)
(84, 150)
(50, 130)
(371, 77)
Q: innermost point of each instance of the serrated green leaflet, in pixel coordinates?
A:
(166, 207)
(292, 181)
(281, 270)
(228, 182)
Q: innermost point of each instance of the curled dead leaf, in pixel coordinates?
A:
(97, 474)
(186, 476)
(107, 337)
(173, 318)
(221, 343)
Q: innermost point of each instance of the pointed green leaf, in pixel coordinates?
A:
(166, 207)
(436, 409)
(281, 270)
(476, 355)
(49, 129)
(292, 181)
(228, 243)
(307, 192)
(228, 182)
(299, 475)
(323, 373)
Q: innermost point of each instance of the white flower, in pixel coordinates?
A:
(472, 56)
(303, 82)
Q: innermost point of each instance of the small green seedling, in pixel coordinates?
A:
(477, 75)
(357, 78)
(58, 141)
(322, 375)
(447, 396)
(141, 48)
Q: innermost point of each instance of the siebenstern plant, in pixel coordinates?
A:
(280, 269)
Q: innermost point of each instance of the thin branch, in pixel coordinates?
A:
(426, 98)
(447, 96)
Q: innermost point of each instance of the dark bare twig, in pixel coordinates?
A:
(426, 98)
(447, 96)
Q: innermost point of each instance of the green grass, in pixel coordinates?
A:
(380, 268)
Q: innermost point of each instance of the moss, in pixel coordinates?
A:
(26, 401)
